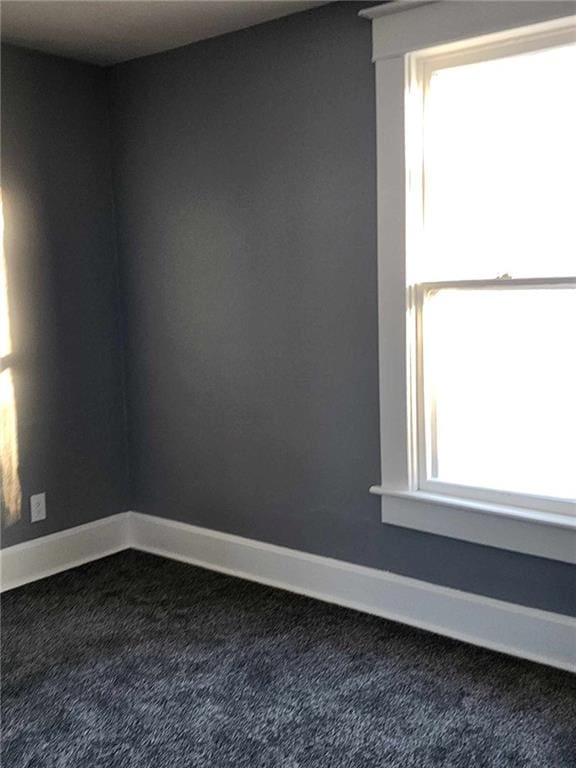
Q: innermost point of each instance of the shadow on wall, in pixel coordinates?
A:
(10, 490)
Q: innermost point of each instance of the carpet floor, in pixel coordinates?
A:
(135, 661)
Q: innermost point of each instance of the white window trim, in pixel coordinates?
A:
(497, 522)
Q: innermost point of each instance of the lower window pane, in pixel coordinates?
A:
(499, 376)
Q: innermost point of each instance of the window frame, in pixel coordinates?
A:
(400, 37)
(420, 68)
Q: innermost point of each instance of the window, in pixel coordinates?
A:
(476, 118)
(491, 268)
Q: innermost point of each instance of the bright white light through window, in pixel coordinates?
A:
(502, 388)
(497, 361)
(500, 153)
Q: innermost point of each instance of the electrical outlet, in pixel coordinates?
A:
(37, 507)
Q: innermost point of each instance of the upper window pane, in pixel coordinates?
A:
(500, 168)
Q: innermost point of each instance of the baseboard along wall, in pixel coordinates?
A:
(60, 551)
(529, 633)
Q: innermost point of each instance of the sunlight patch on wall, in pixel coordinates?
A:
(11, 494)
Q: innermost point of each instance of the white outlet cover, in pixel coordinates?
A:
(37, 507)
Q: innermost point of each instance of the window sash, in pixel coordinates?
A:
(420, 454)
(419, 68)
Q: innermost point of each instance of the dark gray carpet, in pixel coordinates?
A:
(138, 661)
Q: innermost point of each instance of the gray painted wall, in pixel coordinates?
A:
(245, 186)
(246, 190)
(64, 298)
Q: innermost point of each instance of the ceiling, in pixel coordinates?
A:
(107, 31)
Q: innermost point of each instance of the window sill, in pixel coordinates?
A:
(533, 532)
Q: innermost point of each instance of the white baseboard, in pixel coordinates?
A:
(532, 634)
(529, 633)
(60, 551)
